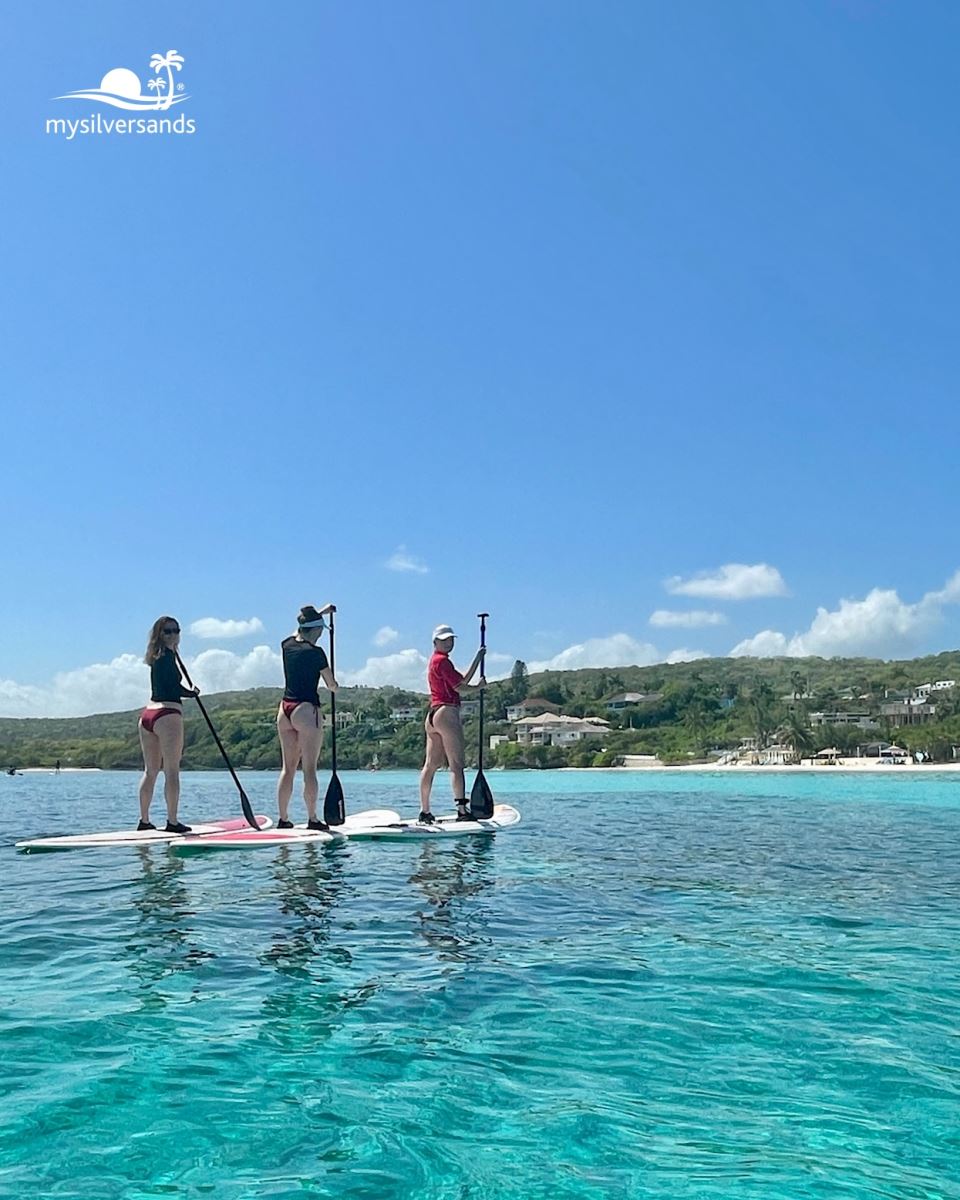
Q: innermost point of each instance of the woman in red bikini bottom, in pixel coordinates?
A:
(161, 724)
(299, 722)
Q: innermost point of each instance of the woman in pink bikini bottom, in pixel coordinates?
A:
(161, 724)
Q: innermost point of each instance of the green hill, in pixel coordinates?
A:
(689, 710)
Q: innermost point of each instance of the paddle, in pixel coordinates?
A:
(334, 811)
(244, 802)
(481, 798)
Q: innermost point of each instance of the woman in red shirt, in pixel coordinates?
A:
(443, 726)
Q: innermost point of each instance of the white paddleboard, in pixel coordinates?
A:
(443, 827)
(246, 839)
(131, 837)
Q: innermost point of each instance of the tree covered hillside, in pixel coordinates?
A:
(689, 710)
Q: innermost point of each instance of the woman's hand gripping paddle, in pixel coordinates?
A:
(334, 811)
(481, 798)
(245, 804)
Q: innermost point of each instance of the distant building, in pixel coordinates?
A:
(469, 708)
(344, 719)
(498, 739)
(533, 706)
(629, 699)
(908, 712)
(861, 720)
(555, 729)
(406, 714)
(924, 690)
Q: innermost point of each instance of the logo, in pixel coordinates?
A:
(123, 88)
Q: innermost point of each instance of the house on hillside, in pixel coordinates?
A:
(629, 699)
(344, 719)
(555, 729)
(908, 712)
(861, 720)
(410, 713)
(533, 706)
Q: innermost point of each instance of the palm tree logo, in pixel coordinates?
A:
(122, 88)
(167, 62)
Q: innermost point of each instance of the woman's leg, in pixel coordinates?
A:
(169, 732)
(434, 759)
(309, 726)
(290, 752)
(152, 759)
(446, 721)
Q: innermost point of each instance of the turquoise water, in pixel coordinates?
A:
(659, 985)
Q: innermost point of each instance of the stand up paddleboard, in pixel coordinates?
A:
(444, 827)
(131, 837)
(246, 839)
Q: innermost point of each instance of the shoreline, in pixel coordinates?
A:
(845, 766)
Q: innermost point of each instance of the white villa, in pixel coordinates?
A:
(533, 706)
(406, 714)
(555, 729)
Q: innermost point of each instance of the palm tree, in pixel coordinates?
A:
(761, 700)
(796, 734)
(156, 85)
(167, 61)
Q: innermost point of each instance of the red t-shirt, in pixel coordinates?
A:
(443, 678)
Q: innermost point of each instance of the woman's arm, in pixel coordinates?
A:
(327, 676)
(464, 684)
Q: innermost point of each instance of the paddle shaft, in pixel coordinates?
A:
(333, 704)
(481, 798)
(334, 810)
(483, 676)
(244, 802)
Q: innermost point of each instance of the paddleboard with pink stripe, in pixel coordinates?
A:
(246, 839)
(131, 837)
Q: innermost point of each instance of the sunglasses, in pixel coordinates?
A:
(170, 632)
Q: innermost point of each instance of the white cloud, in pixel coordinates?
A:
(498, 666)
(400, 560)
(667, 619)
(682, 655)
(881, 625)
(766, 644)
(384, 636)
(122, 683)
(214, 627)
(224, 671)
(735, 581)
(618, 650)
(404, 669)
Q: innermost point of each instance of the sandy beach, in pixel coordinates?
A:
(856, 765)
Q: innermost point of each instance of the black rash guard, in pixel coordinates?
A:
(166, 685)
(302, 666)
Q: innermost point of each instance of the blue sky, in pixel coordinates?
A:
(577, 314)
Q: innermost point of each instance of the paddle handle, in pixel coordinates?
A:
(245, 804)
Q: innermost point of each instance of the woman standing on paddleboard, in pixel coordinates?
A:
(443, 726)
(161, 723)
(299, 721)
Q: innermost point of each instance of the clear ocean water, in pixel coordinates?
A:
(659, 985)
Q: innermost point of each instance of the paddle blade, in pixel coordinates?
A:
(334, 812)
(481, 798)
(248, 813)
